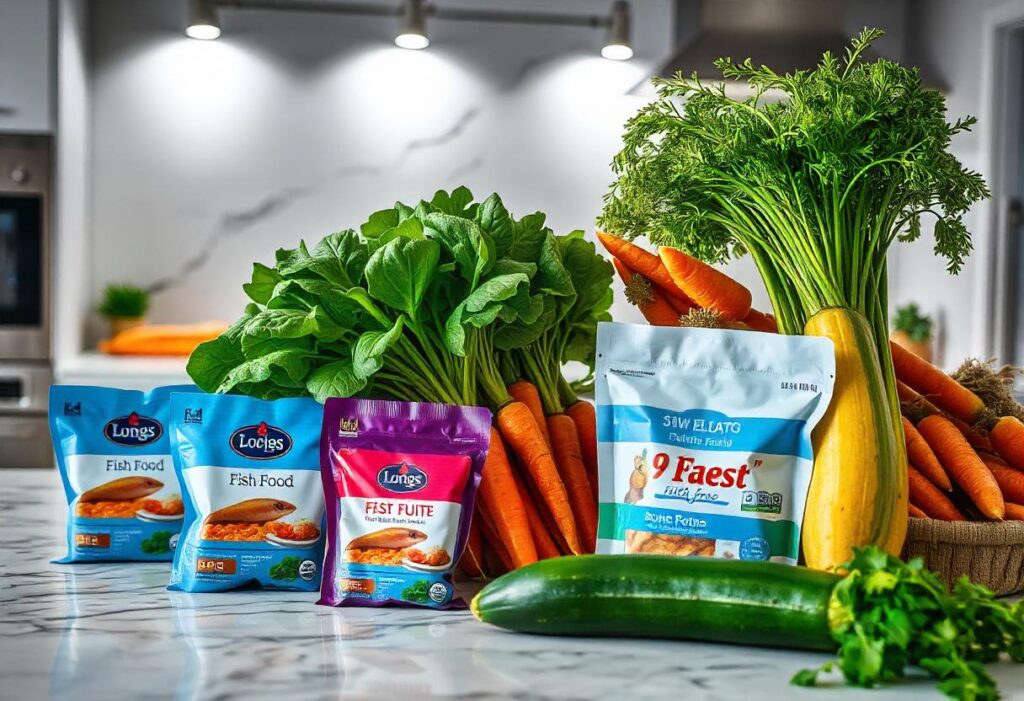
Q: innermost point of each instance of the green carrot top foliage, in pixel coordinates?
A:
(815, 186)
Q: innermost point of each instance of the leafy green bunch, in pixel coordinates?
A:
(912, 322)
(814, 186)
(887, 614)
(421, 304)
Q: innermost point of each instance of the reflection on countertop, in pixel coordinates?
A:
(102, 631)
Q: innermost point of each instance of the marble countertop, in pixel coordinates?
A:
(112, 631)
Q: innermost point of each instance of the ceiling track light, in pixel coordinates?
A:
(617, 45)
(412, 32)
(203, 22)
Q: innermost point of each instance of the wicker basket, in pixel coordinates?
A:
(991, 554)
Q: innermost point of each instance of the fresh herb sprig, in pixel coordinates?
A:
(887, 614)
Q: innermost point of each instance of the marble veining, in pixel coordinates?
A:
(107, 631)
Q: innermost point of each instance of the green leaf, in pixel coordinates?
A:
(305, 294)
(334, 379)
(368, 356)
(480, 308)
(408, 228)
(552, 276)
(282, 323)
(379, 222)
(398, 274)
(340, 258)
(292, 365)
(454, 204)
(264, 280)
(470, 248)
(255, 346)
(211, 361)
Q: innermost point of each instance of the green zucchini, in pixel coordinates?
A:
(652, 596)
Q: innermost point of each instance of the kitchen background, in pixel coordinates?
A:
(178, 162)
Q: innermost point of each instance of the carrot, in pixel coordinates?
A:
(707, 287)
(520, 430)
(759, 321)
(569, 458)
(680, 307)
(492, 536)
(1010, 481)
(922, 457)
(643, 262)
(501, 500)
(472, 560)
(915, 405)
(583, 415)
(941, 389)
(1007, 437)
(526, 392)
(1014, 512)
(963, 464)
(546, 547)
(651, 303)
(916, 512)
(929, 499)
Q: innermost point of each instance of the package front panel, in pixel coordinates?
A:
(398, 523)
(113, 453)
(254, 499)
(704, 441)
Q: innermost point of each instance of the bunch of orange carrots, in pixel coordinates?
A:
(965, 462)
(538, 494)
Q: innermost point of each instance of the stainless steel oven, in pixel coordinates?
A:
(25, 327)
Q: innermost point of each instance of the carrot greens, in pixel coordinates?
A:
(815, 187)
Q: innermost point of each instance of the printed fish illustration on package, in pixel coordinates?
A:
(113, 454)
(254, 505)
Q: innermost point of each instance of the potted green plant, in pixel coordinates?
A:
(124, 307)
(913, 331)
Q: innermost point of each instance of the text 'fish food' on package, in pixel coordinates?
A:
(254, 507)
(704, 439)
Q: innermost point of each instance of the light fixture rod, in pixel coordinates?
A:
(447, 13)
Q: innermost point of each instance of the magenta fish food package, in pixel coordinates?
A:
(250, 477)
(399, 481)
(113, 455)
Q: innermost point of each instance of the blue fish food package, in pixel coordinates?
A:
(254, 504)
(704, 439)
(114, 457)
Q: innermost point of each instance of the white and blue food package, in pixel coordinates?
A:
(704, 439)
(254, 503)
(114, 458)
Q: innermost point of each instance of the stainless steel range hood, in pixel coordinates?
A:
(786, 35)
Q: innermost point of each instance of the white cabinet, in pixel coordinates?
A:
(26, 65)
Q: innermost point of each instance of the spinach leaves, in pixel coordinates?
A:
(413, 306)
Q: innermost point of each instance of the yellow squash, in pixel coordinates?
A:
(858, 493)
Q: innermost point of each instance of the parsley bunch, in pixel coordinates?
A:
(887, 614)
